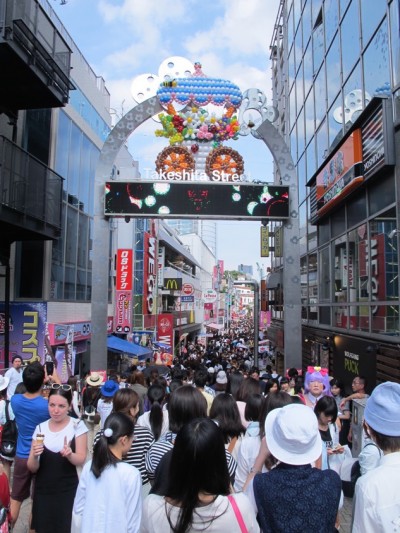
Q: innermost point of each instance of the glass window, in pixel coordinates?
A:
(350, 36)
(356, 209)
(325, 315)
(353, 101)
(74, 165)
(343, 6)
(312, 287)
(318, 46)
(376, 63)
(385, 320)
(324, 231)
(290, 27)
(307, 21)
(62, 145)
(311, 159)
(300, 133)
(291, 67)
(335, 123)
(322, 143)
(309, 113)
(333, 67)
(394, 35)
(303, 227)
(372, 12)
(331, 20)
(300, 87)
(324, 275)
(297, 12)
(341, 261)
(299, 48)
(293, 144)
(338, 221)
(308, 69)
(292, 103)
(301, 174)
(320, 97)
(381, 194)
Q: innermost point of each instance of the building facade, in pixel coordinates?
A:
(336, 84)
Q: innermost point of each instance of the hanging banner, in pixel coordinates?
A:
(27, 329)
(264, 241)
(165, 329)
(123, 311)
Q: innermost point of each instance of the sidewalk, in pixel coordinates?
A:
(345, 515)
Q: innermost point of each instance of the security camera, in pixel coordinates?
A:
(393, 233)
(127, 219)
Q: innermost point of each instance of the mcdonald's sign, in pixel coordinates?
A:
(172, 284)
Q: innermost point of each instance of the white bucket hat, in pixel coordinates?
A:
(292, 435)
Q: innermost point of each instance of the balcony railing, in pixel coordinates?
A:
(28, 188)
(32, 45)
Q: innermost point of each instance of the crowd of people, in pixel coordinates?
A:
(214, 444)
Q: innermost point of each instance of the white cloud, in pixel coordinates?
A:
(245, 29)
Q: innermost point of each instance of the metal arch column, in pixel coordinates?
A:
(291, 246)
(101, 235)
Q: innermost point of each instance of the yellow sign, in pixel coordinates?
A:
(264, 235)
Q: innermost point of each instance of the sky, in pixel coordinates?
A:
(123, 39)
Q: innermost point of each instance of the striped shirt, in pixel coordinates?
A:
(143, 439)
(166, 443)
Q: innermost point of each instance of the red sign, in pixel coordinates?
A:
(165, 329)
(187, 289)
(124, 270)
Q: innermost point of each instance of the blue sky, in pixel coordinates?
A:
(122, 39)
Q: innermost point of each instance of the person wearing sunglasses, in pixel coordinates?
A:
(58, 447)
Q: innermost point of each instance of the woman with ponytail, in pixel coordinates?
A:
(109, 492)
(156, 420)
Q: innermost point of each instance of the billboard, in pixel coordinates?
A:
(160, 199)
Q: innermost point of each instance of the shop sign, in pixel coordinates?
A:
(209, 296)
(264, 241)
(188, 290)
(377, 140)
(149, 267)
(341, 175)
(58, 333)
(124, 270)
(165, 329)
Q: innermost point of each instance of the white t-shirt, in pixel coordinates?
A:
(104, 409)
(55, 440)
(144, 421)
(218, 517)
(15, 377)
(110, 503)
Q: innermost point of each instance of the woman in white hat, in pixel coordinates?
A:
(5, 405)
(294, 496)
(377, 495)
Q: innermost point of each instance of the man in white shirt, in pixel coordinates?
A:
(377, 497)
(14, 374)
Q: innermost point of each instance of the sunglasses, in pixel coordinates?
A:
(64, 386)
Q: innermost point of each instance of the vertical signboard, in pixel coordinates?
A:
(149, 277)
(165, 329)
(27, 331)
(123, 293)
(264, 238)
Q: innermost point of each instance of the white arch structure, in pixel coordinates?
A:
(100, 267)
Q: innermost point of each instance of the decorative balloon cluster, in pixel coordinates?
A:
(200, 90)
(198, 125)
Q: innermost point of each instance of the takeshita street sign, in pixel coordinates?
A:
(160, 199)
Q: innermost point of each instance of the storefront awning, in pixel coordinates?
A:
(215, 326)
(119, 345)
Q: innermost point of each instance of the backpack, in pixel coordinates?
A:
(349, 486)
(9, 435)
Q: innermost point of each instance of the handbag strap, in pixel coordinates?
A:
(238, 514)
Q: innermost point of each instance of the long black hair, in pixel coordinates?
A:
(185, 404)
(120, 425)
(156, 395)
(198, 464)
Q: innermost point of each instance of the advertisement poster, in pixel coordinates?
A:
(27, 328)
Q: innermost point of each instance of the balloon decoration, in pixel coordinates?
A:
(224, 162)
(176, 160)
